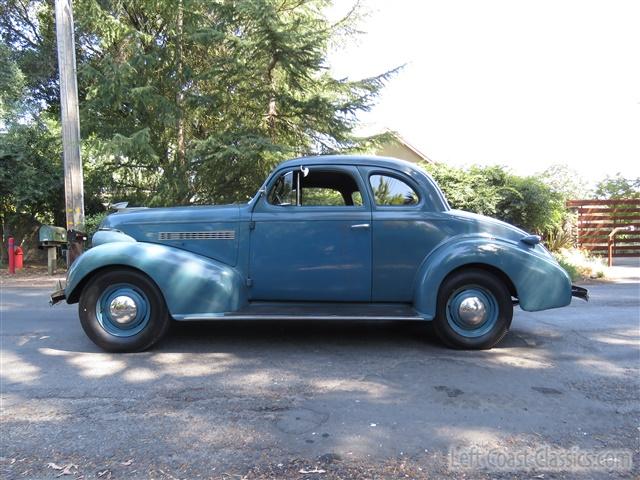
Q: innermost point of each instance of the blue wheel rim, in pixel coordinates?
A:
(475, 293)
(108, 322)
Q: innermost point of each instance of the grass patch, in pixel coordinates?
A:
(579, 264)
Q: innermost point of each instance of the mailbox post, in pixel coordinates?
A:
(51, 238)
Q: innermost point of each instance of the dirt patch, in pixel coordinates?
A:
(31, 276)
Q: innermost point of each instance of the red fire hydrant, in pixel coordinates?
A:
(19, 257)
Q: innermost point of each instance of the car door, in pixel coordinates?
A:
(311, 237)
(404, 231)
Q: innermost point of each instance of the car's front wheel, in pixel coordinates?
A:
(474, 310)
(123, 311)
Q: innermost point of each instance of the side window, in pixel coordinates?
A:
(318, 188)
(391, 191)
(329, 188)
(283, 191)
(320, 196)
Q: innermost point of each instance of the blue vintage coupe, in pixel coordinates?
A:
(328, 237)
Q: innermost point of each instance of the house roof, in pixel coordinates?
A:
(401, 140)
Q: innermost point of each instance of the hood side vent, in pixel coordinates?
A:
(212, 235)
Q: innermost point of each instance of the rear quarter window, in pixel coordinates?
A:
(391, 191)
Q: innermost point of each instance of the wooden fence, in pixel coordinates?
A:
(596, 220)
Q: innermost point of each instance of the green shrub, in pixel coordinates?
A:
(569, 268)
(92, 222)
(557, 239)
(526, 202)
(531, 205)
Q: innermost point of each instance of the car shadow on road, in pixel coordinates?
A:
(191, 336)
(270, 333)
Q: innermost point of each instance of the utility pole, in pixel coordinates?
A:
(70, 118)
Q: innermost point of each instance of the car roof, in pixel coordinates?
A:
(370, 160)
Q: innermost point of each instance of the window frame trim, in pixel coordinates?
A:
(367, 203)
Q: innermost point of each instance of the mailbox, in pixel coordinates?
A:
(50, 236)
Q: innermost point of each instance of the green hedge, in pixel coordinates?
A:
(526, 202)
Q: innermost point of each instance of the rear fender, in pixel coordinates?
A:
(191, 284)
(540, 282)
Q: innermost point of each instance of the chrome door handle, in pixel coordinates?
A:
(360, 225)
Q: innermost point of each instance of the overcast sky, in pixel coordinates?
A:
(520, 83)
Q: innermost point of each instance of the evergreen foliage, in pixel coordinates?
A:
(195, 101)
(186, 101)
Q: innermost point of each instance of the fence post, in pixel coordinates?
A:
(12, 255)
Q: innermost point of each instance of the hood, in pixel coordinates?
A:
(211, 231)
(126, 218)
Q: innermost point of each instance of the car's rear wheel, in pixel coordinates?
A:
(474, 310)
(123, 311)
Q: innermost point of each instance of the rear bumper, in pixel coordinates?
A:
(580, 292)
(58, 295)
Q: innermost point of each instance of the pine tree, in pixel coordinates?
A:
(196, 101)
(190, 101)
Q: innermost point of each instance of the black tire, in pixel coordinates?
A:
(151, 329)
(474, 283)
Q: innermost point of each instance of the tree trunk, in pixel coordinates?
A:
(182, 190)
(272, 111)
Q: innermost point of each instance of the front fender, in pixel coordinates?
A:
(191, 284)
(540, 282)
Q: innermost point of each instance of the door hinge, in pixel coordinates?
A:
(252, 225)
(249, 282)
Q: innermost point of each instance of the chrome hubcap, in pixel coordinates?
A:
(123, 309)
(472, 311)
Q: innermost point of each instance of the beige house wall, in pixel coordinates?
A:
(401, 151)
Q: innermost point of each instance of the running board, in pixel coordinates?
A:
(313, 311)
(316, 317)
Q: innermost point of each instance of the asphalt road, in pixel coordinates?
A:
(267, 399)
